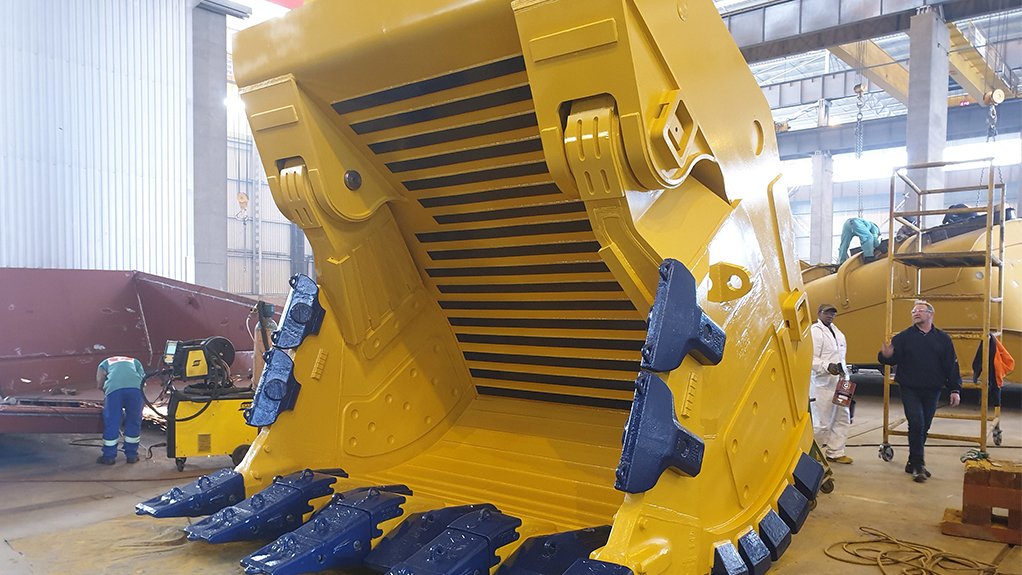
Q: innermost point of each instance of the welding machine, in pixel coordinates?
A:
(206, 416)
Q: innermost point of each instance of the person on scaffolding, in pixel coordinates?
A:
(830, 421)
(120, 378)
(868, 234)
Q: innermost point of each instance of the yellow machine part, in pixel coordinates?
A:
(858, 290)
(208, 427)
(195, 366)
(488, 189)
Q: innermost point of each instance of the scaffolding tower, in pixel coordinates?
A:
(911, 258)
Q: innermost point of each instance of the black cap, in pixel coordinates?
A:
(826, 307)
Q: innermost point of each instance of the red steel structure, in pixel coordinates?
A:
(57, 325)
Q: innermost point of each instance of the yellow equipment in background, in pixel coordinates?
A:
(496, 194)
(206, 417)
(859, 290)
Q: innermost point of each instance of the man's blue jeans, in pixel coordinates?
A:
(121, 404)
(920, 404)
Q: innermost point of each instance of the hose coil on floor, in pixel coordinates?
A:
(908, 557)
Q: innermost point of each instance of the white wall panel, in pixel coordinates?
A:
(239, 275)
(275, 238)
(95, 130)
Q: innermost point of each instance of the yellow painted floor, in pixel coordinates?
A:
(60, 513)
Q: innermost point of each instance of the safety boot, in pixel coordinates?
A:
(919, 474)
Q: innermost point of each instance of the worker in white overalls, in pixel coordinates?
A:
(830, 421)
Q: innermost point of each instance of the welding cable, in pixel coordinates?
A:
(205, 405)
(223, 387)
(149, 450)
(163, 390)
(884, 551)
(98, 442)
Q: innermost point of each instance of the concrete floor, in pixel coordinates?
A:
(57, 505)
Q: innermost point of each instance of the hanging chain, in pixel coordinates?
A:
(859, 103)
(992, 123)
(991, 137)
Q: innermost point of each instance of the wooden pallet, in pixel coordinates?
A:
(990, 488)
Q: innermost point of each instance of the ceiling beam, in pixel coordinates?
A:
(877, 66)
(811, 89)
(972, 68)
(833, 86)
(962, 123)
(786, 27)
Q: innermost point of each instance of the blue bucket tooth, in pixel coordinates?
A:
(276, 391)
(808, 476)
(677, 324)
(468, 545)
(204, 496)
(727, 561)
(266, 515)
(654, 439)
(338, 536)
(594, 567)
(413, 533)
(755, 553)
(302, 315)
(775, 533)
(793, 507)
(554, 553)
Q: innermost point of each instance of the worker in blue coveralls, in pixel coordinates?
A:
(868, 234)
(120, 378)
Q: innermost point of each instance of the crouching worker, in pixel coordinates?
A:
(120, 378)
(868, 234)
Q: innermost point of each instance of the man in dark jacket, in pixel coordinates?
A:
(926, 363)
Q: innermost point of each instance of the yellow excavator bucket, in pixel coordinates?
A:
(497, 195)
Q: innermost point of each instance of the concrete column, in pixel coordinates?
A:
(926, 132)
(209, 150)
(821, 210)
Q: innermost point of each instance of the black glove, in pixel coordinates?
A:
(834, 369)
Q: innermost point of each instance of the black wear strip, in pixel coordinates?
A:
(515, 251)
(506, 231)
(461, 156)
(501, 173)
(536, 341)
(536, 269)
(490, 195)
(564, 323)
(590, 382)
(616, 404)
(509, 213)
(579, 363)
(432, 85)
(532, 288)
(446, 110)
(453, 134)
